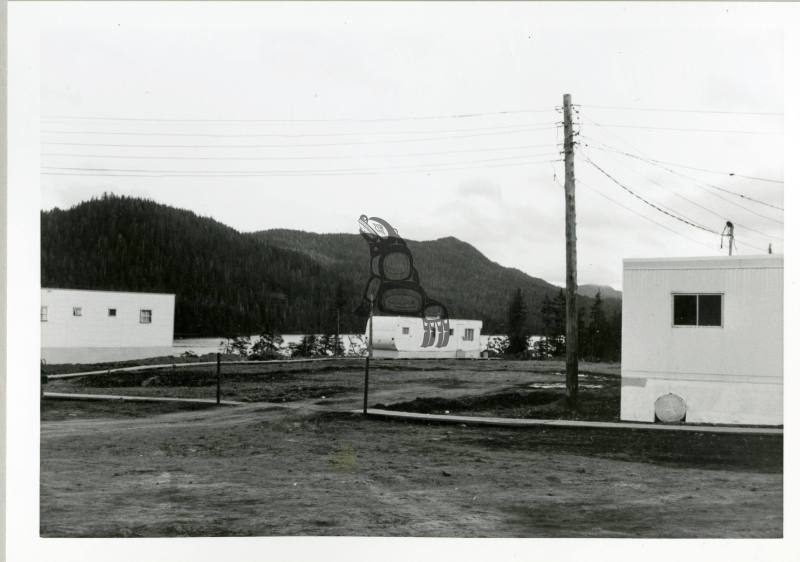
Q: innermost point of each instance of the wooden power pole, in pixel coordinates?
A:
(572, 281)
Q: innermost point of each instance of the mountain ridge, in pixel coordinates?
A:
(230, 282)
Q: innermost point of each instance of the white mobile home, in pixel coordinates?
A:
(702, 340)
(406, 337)
(80, 326)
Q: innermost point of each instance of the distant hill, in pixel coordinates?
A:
(227, 282)
(606, 292)
(451, 271)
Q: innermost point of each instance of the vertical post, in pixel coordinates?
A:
(336, 343)
(572, 282)
(218, 378)
(369, 354)
(730, 239)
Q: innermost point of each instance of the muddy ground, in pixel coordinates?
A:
(297, 462)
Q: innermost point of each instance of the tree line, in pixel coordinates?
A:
(228, 283)
(599, 336)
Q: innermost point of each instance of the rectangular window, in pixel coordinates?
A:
(469, 334)
(405, 331)
(451, 331)
(77, 311)
(685, 310)
(697, 310)
(44, 314)
(112, 311)
(145, 316)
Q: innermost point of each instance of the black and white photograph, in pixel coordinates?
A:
(457, 270)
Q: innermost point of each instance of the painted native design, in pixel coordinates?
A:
(393, 286)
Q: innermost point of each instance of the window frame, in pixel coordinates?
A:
(43, 311)
(697, 296)
(112, 310)
(77, 311)
(469, 332)
(142, 316)
(406, 331)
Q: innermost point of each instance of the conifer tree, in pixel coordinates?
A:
(517, 325)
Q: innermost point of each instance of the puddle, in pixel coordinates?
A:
(560, 385)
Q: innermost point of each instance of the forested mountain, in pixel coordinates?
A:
(451, 271)
(229, 283)
(225, 283)
(605, 291)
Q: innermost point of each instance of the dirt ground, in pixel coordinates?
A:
(296, 461)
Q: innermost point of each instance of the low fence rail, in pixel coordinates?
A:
(139, 368)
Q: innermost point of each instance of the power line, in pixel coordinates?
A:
(716, 195)
(334, 157)
(645, 217)
(663, 206)
(645, 201)
(660, 164)
(700, 227)
(738, 224)
(332, 120)
(689, 130)
(116, 172)
(702, 185)
(524, 126)
(730, 174)
(676, 110)
(305, 145)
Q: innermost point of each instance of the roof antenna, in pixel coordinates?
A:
(727, 231)
(769, 249)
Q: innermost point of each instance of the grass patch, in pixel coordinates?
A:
(54, 409)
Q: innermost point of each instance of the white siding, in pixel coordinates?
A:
(94, 328)
(728, 374)
(390, 341)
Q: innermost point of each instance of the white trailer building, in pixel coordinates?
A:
(702, 340)
(406, 337)
(80, 326)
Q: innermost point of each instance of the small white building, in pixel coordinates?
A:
(80, 326)
(407, 337)
(703, 337)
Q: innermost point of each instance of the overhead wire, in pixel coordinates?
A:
(687, 129)
(662, 165)
(679, 110)
(328, 120)
(330, 157)
(615, 202)
(696, 182)
(645, 201)
(665, 207)
(729, 174)
(304, 145)
(449, 166)
(645, 217)
(660, 209)
(522, 126)
(696, 204)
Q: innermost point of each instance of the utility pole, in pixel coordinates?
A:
(728, 231)
(572, 281)
(369, 355)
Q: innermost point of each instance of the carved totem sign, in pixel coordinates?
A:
(393, 286)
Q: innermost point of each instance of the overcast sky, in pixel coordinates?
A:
(440, 119)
